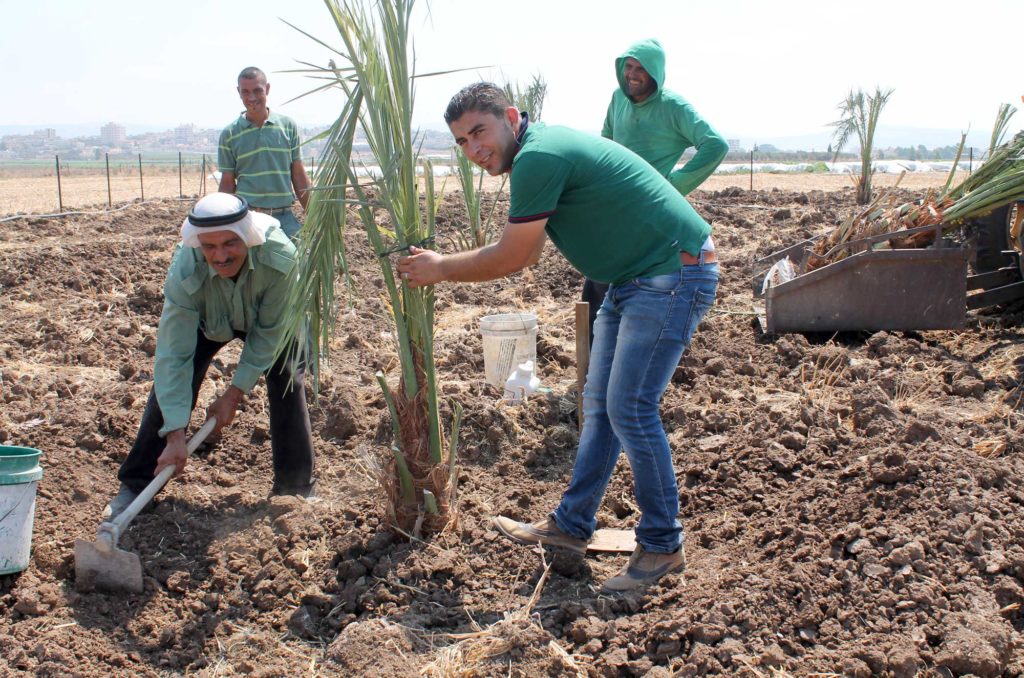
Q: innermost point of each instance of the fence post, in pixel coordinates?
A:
(202, 180)
(970, 162)
(142, 189)
(110, 202)
(60, 197)
(751, 171)
(181, 192)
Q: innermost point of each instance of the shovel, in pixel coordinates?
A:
(100, 564)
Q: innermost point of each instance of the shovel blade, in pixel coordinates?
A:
(106, 570)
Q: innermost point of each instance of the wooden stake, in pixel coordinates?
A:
(582, 354)
(60, 196)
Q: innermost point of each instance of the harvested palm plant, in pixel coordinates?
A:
(998, 182)
(376, 76)
(477, 230)
(860, 113)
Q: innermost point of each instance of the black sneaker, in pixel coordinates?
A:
(306, 492)
(124, 497)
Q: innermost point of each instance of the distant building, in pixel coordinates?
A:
(734, 145)
(112, 134)
(185, 135)
(46, 133)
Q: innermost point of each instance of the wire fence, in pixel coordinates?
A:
(58, 186)
(63, 186)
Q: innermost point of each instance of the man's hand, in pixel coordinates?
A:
(175, 453)
(421, 267)
(224, 408)
(520, 246)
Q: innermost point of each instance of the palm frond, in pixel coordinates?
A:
(377, 79)
(1006, 112)
(859, 116)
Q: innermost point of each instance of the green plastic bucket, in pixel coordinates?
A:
(19, 475)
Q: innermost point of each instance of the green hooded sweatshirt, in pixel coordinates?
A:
(662, 126)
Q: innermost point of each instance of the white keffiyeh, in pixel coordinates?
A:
(250, 226)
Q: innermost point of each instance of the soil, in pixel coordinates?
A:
(852, 503)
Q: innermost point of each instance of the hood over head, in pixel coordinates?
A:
(651, 56)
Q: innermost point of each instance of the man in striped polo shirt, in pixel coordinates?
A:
(259, 155)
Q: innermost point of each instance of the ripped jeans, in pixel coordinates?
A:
(641, 331)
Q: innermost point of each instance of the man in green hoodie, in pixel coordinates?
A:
(658, 125)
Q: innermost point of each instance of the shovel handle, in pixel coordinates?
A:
(128, 515)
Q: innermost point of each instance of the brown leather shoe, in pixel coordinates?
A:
(544, 532)
(643, 569)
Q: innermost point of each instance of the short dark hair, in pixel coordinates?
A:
(485, 97)
(252, 73)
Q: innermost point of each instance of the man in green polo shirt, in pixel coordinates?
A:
(229, 279)
(259, 155)
(617, 220)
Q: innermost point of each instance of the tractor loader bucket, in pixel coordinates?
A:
(881, 289)
(912, 289)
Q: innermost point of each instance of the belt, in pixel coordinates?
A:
(271, 210)
(689, 260)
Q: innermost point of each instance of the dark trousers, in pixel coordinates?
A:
(291, 438)
(593, 293)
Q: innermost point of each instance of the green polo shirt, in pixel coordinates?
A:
(611, 214)
(261, 159)
(196, 298)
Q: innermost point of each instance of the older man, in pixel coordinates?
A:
(618, 221)
(259, 155)
(229, 279)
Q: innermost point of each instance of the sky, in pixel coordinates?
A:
(756, 70)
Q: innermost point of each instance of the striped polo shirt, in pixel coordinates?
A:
(261, 159)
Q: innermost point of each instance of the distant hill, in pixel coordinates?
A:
(440, 138)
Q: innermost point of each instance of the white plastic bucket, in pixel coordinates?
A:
(19, 475)
(510, 339)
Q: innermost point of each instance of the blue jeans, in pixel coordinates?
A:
(641, 331)
(289, 224)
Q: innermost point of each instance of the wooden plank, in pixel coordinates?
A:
(609, 540)
(582, 354)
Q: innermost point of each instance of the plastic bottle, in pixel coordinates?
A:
(521, 383)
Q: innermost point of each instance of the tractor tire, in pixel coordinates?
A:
(992, 238)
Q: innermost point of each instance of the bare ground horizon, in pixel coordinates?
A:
(89, 191)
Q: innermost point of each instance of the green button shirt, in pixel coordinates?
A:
(196, 298)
